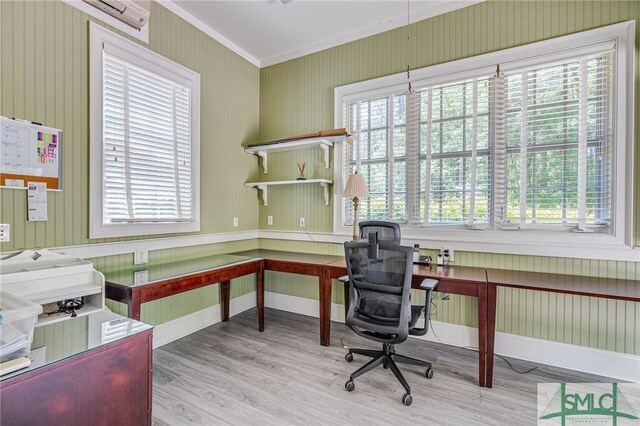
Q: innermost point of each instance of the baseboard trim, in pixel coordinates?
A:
(578, 358)
(180, 327)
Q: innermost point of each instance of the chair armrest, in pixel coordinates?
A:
(429, 284)
(345, 278)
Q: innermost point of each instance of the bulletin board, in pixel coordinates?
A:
(29, 152)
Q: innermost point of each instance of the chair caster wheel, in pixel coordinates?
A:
(349, 357)
(428, 373)
(407, 399)
(350, 386)
(385, 366)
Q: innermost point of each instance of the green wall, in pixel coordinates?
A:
(297, 97)
(44, 77)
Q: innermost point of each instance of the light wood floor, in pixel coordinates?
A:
(230, 373)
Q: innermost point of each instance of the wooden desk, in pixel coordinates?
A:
(171, 278)
(303, 264)
(97, 371)
(608, 288)
(465, 281)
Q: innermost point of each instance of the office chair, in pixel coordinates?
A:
(380, 310)
(387, 231)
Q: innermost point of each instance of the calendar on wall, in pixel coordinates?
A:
(29, 152)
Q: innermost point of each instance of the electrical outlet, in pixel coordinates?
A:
(140, 256)
(235, 222)
(446, 250)
(5, 232)
(302, 222)
(269, 220)
(141, 277)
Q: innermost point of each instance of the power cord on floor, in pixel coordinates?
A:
(476, 349)
(344, 338)
(305, 230)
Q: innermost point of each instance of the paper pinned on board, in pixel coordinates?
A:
(37, 201)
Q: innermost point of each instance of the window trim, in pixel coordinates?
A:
(97, 229)
(526, 241)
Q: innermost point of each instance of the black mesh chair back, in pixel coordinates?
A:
(387, 231)
(380, 290)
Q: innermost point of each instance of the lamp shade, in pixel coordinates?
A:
(356, 186)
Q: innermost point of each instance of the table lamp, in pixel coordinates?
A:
(356, 187)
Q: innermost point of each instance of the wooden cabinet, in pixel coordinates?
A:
(108, 385)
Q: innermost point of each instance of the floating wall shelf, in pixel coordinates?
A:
(262, 186)
(324, 142)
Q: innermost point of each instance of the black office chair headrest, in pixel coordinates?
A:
(373, 246)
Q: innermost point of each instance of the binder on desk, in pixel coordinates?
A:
(29, 152)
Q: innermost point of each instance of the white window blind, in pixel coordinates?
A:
(455, 154)
(380, 130)
(558, 144)
(436, 138)
(532, 147)
(144, 139)
(147, 156)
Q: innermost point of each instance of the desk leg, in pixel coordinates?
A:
(133, 306)
(491, 331)
(224, 299)
(482, 334)
(260, 295)
(325, 308)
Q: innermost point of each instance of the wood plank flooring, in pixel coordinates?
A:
(230, 373)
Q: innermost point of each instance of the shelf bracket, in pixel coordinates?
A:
(324, 186)
(325, 148)
(263, 155)
(263, 190)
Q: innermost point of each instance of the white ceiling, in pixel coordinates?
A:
(267, 32)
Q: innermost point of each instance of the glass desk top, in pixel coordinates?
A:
(141, 275)
(65, 339)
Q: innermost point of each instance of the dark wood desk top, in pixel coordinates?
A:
(290, 256)
(457, 273)
(610, 288)
(171, 271)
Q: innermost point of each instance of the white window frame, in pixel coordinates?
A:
(97, 228)
(549, 242)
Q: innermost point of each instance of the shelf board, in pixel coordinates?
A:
(324, 142)
(262, 186)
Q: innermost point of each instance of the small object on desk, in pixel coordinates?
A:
(14, 365)
(423, 260)
(416, 253)
(440, 260)
(301, 167)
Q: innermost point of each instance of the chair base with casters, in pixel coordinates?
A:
(388, 357)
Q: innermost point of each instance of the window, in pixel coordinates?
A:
(144, 140)
(531, 138)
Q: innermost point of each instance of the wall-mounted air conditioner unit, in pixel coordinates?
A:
(132, 12)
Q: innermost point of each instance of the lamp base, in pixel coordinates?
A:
(355, 218)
